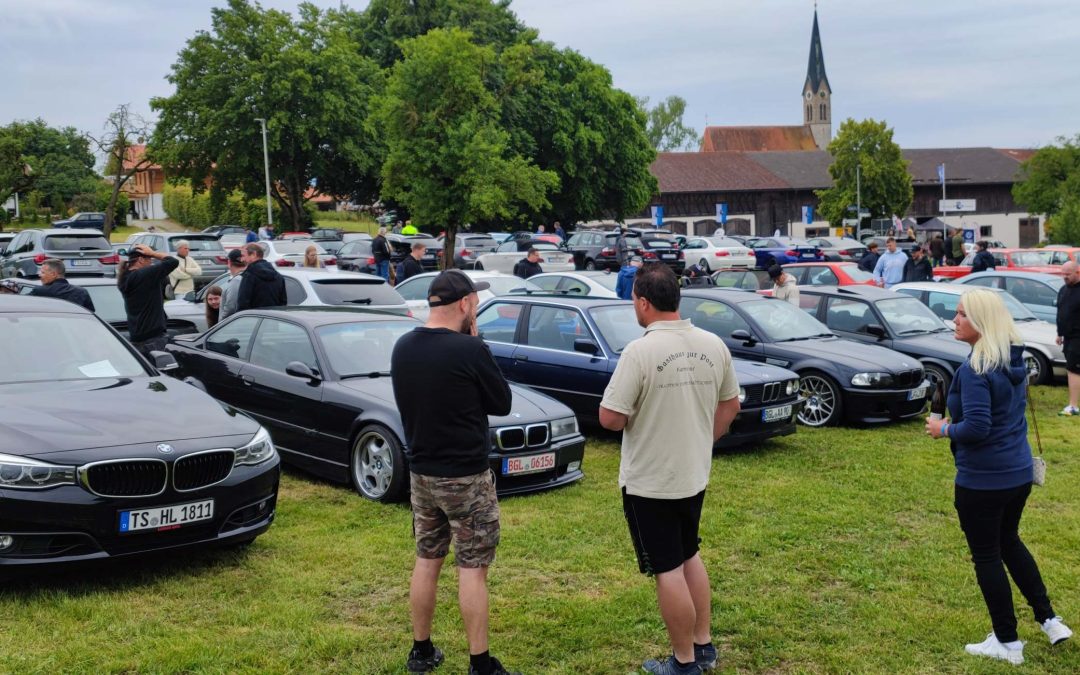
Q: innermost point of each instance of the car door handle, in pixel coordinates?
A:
(248, 379)
(522, 357)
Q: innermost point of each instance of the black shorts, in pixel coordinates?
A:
(664, 531)
(1072, 355)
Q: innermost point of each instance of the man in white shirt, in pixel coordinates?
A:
(673, 394)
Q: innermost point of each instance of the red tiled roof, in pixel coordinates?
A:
(710, 171)
(134, 155)
(1019, 154)
(758, 139)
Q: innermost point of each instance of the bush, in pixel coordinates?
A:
(198, 211)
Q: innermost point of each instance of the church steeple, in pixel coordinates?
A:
(817, 94)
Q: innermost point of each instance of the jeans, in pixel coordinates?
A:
(154, 344)
(990, 520)
(382, 269)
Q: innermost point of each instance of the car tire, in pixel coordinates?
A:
(377, 464)
(824, 405)
(934, 373)
(590, 265)
(1039, 366)
(478, 266)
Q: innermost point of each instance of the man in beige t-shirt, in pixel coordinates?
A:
(673, 394)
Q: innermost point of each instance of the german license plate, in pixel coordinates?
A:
(80, 263)
(528, 464)
(667, 256)
(916, 394)
(166, 517)
(776, 414)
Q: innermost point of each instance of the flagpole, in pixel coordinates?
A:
(945, 224)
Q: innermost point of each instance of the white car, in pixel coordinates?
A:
(415, 289)
(1040, 337)
(290, 253)
(596, 284)
(712, 253)
(552, 258)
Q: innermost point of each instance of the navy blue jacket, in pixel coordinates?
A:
(984, 260)
(624, 285)
(989, 430)
(60, 288)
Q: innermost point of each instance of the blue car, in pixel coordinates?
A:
(783, 251)
(568, 348)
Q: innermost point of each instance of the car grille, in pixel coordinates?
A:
(126, 478)
(906, 379)
(202, 469)
(517, 438)
(770, 392)
(536, 435)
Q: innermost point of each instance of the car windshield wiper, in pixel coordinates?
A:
(914, 331)
(359, 301)
(802, 337)
(372, 375)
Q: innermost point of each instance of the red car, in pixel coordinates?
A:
(1012, 259)
(1059, 255)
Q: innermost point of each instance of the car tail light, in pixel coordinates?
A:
(818, 253)
(282, 262)
(331, 261)
(221, 260)
(843, 253)
(649, 255)
(465, 253)
(722, 254)
(371, 261)
(40, 258)
(607, 251)
(409, 313)
(681, 256)
(110, 260)
(791, 254)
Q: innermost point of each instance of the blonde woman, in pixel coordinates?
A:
(988, 432)
(311, 257)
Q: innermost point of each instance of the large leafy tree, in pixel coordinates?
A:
(885, 180)
(448, 158)
(16, 173)
(1051, 186)
(665, 127)
(305, 76)
(55, 162)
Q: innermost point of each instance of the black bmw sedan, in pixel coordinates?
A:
(318, 378)
(102, 457)
(840, 379)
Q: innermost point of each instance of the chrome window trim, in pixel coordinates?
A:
(85, 483)
(172, 469)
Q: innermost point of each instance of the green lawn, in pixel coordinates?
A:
(346, 222)
(830, 551)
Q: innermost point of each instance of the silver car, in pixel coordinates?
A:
(206, 249)
(839, 249)
(86, 253)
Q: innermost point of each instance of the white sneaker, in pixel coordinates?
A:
(1056, 630)
(1013, 652)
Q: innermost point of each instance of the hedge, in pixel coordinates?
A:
(197, 211)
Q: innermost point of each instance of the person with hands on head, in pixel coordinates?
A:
(988, 434)
(142, 279)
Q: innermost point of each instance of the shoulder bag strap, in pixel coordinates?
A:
(1034, 422)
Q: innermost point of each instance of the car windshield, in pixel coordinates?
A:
(52, 347)
(356, 292)
(361, 349)
(724, 242)
(908, 316)
(205, 243)
(1027, 259)
(479, 243)
(429, 242)
(296, 247)
(608, 281)
(781, 321)
(508, 284)
(618, 324)
(75, 242)
(855, 273)
(1018, 311)
(108, 302)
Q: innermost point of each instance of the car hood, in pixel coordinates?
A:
(528, 405)
(855, 355)
(38, 419)
(749, 372)
(1038, 332)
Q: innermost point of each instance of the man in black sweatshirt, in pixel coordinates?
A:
(142, 283)
(868, 261)
(1068, 330)
(529, 266)
(446, 383)
(918, 266)
(261, 285)
(54, 285)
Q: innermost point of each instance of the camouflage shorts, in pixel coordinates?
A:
(464, 509)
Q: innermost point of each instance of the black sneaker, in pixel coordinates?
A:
(705, 657)
(417, 665)
(496, 669)
(668, 666)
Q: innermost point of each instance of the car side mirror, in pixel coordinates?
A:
(302, 370)
(189, 296)
(744, 336)
(121, 251)
(876, 330)
(170, 292)
(164, 361)
(586, 346)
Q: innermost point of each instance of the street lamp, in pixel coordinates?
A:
(266, 168)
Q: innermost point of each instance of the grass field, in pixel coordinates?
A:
(831, 551)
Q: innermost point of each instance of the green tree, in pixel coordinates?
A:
(665, 128)
(16, 173)
(885, 181)
(448, 159)
(306, 77)
(1050, 185)
(61, 161)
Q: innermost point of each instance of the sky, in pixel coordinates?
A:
(942, 73)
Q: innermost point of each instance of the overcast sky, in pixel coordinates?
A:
(943, 73)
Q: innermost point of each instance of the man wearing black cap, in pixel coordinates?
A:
(231, 290)
(784, 287)
(142, 283)
(446, 383)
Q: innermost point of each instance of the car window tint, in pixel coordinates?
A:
(498, 322)
(798, 273)
(361, 347)
(809, 303)
(732, 280)
(715, 317)
(71, 242)
(355, 292)
(857, 274)
(294, 291)
(555, 328)
(573, 286)
(942, 304)
(851, 316)
(414, 289)
(981, 280)
(821, 276)
(618, 324)
(508, 247)
(108, 302)
(52, 347)
(547, 283)
(279, 343)
(233, 338)
(1031, 292)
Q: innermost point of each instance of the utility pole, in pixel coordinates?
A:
(266, 168)
(858, 200)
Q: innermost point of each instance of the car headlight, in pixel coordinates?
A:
(742, 395)
(561, 428)
(257, 451)
(20, 473)
(871, 380)
(791, 387)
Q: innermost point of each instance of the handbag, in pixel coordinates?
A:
(1038, 464)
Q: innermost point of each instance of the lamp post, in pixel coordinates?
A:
(858, 200)
(266, 168)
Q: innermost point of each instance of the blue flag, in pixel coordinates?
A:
(658, 216)
(808, 214)
(941, 172)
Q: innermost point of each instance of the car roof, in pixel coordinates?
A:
(1039, 276)
(729, 295)
(838, 263)
(320, 274)
(559, 298)
(77, 231)
(943, 287)
(322, 315)
(32, 303)
(865, 292)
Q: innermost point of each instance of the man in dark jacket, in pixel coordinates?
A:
(937, 250)
(142, 283)
(410, 266)
(868, 262)
(984, 260)
(1068, 332)
(261, 285)
(530, 266)
(380, 251)
(918, 267)
(54, 285)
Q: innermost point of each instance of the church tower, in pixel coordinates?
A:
(817, 95)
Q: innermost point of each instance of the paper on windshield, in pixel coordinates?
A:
(99, 369)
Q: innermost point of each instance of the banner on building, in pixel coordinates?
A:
(808, 214)
(658, 215)
(721, 213)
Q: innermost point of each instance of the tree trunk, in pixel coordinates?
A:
(448, 246)
(110, 210)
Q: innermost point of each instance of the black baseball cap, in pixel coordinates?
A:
(236, 257)
(451, 286)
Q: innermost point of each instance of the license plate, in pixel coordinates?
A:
(776, 414)
(528, 464)
(80, 263)
(667, 256)
(166, 517)
(556, 258)
(916, 394)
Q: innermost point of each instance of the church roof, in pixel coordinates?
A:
(757, 139)
(815, 69)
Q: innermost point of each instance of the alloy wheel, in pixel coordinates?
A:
(373, 465)
(822, 400)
